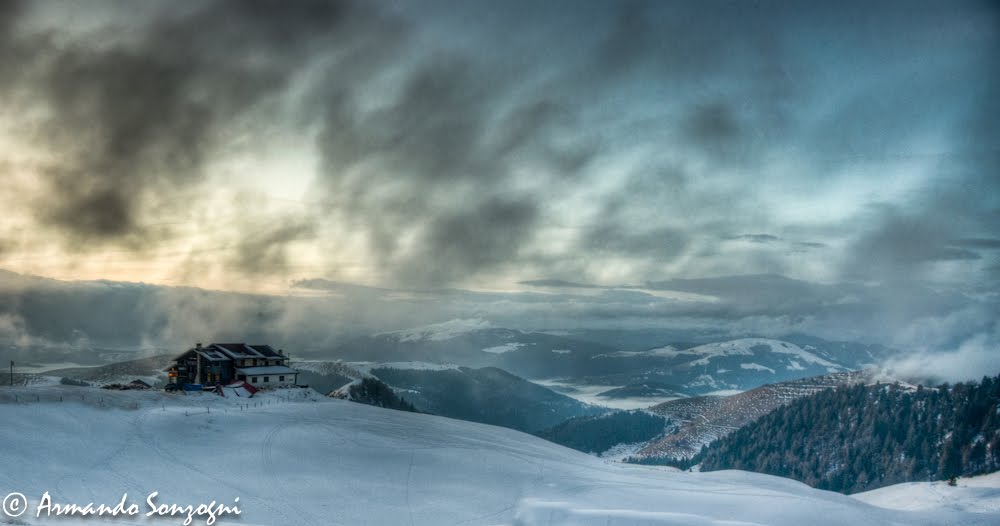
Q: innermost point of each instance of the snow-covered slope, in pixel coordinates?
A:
(977, 494)
(745, 347)
(297, 460)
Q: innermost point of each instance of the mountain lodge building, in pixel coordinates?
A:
(223, 363)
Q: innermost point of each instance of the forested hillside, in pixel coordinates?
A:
(373, 391)
(597, 434)
(856, 438)
(488, 395)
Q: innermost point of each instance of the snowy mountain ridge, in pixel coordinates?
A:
(440, 331)
(656, 368)
(756, 347)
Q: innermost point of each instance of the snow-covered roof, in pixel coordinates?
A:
(266, 350)
(271, 369)
(237, 350)
(213, 354)
(243, 350)
(223, 352)
(240, 392)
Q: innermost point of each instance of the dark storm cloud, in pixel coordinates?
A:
(436, 163)
(716, 129)
(452, 138)
(264, 248)
(900, 245)
(713, 123)
(627, 41)
(133, 121)
(14, 47)
(422, 136)
(10, 10)
(460, 243)
(662, 243)
(461, 129)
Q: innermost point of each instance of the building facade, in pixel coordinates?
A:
(224, 363)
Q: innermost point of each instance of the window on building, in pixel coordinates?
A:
(281, 378)
(267, 378)
(253, 379)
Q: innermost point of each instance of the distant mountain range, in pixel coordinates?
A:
(663, 369)
(666, 371)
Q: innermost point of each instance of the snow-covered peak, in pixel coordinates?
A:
(669, 350)
(367, 367)
(507, 347)
(441, 331)
(757, 347)
(330, 368)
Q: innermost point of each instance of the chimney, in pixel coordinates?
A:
(197, 357)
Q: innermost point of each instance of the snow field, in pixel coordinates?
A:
(318, 461)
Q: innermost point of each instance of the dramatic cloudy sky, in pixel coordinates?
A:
(821, 166)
